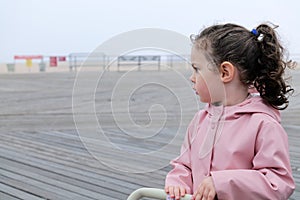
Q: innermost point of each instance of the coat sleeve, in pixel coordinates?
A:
(181, 174)
(271, 175)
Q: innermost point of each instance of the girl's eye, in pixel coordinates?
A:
(195, 68)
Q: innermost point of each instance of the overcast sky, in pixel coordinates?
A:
(60, 27)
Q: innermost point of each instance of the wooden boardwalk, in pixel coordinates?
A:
(42, 156)
(55, 165)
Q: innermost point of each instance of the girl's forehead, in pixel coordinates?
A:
(198, 55)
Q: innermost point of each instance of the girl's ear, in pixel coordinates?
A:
(227, 71)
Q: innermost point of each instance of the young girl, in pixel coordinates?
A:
(235, 148)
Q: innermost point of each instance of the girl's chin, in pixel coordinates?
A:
(204, 100)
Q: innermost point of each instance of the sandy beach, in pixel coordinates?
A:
(100, 135)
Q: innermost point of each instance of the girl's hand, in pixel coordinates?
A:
(205, 191)
(175, 192)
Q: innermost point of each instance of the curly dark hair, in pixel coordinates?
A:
(257, 54)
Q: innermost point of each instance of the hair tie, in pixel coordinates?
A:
(258, 35)
(254, 32)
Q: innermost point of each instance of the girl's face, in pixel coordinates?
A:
(206, 78)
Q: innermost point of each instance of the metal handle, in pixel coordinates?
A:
(152, 193)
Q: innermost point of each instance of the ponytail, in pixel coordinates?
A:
(269, 80)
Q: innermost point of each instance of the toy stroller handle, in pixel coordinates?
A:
(152, 193)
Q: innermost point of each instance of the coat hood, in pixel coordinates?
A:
(253, 104)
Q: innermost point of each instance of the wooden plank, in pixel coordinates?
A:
(41, 180)
(94, 185)
(19, 185)
(17, 193)
(59, 154)
(73, 141)
(67, 191)
(83, 174)
(4, 196)
(111, 156)
(60, 166)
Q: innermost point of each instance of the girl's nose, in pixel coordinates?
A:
(192, 78)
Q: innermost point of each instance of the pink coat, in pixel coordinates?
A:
(243, 147)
